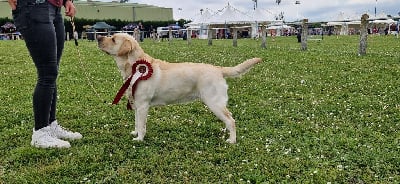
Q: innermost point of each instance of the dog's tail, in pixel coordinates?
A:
(240, 68)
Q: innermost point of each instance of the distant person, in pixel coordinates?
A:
(41, 24)
(141, 31)
(299, 36)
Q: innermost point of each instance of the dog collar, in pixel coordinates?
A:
(141, 70)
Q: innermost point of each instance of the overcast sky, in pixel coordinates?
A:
(314, 10)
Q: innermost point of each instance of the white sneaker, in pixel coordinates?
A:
(43, 138)
(59, 132)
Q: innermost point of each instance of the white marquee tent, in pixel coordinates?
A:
(260, 15)
(229, 16)
(345, 22)
(202, 18)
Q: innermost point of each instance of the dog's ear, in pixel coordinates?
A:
(125, 48)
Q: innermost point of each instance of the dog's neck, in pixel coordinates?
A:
(124, 66)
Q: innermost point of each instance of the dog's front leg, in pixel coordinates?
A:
(140, 122)
(131, 101)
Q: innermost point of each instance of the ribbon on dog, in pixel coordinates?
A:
(141, 70)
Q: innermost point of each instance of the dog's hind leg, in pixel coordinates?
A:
(140, 122)
(218, 107)
(224, 115)
(215, 96)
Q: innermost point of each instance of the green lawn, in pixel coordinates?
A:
(321, 116)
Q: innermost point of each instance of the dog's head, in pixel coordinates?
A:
(119, 44)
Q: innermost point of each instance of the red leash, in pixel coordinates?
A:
(141, 70)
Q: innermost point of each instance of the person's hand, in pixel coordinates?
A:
(69, 8)
(13, 4)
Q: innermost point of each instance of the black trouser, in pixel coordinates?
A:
(42, 27)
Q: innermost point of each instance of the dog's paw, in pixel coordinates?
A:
(230, 141)
(138, 139)
(137, 136)
(134, 133)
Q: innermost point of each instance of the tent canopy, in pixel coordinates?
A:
(385, 21)
(283, 26)
(130, 26)
(102, 25)
(202, 18)
(8, 27)
(260, 15)
(353, 19)
(231, 15)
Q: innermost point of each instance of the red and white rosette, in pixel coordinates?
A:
(144, 68)
(141, 70)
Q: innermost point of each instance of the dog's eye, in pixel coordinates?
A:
(113, 39)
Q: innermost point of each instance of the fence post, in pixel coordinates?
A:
(170, 36)
(264, 37)
(304, 33)
(364, 35)
(189, 36)
(136, 34)
(210, 36)
(234, 37)
(154, 35)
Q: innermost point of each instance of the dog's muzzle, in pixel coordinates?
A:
(100, 43)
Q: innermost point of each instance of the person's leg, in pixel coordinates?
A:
(40, 39)
(58, 23)
(57, 130)
(33, 21)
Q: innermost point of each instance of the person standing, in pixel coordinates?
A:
(141, 31)
(42, 27)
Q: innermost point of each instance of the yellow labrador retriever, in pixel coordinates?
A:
(172, 82)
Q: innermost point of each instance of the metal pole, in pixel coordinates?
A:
(255, 4)
(297, 3)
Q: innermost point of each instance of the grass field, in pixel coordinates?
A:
(321, 116)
